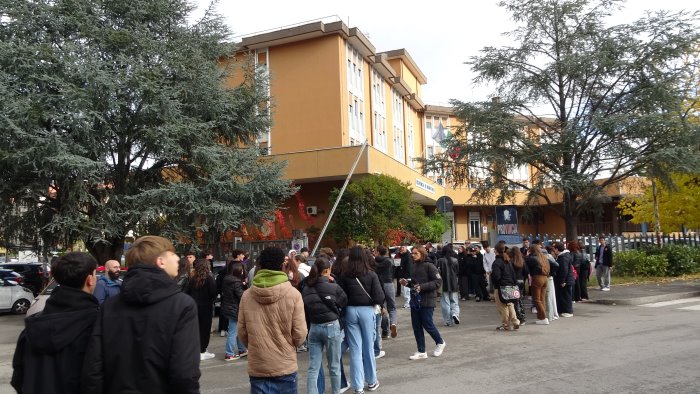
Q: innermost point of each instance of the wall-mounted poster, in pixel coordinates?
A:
(507, 224)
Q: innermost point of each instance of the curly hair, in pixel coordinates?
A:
(201, 272)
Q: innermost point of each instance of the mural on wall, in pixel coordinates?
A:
(507, 224)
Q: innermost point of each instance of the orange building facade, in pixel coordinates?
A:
(331, 91)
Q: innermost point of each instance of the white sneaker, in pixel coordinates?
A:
(542, 322)
(344, 389)
(381, 354)
(222, 333)
(605, 289)
(567, 315)
(206, 356)
(439, 349)
(418, 356)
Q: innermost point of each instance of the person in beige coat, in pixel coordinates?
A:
(271, 323)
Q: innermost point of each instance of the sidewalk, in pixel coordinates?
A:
(645, 293)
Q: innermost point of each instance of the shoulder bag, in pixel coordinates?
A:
(377, 308)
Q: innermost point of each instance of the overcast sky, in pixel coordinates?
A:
(440, 35)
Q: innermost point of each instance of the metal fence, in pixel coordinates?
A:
(620, 243)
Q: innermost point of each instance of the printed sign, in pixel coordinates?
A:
(507, 224)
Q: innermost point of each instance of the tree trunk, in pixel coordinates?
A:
(570, 217)
(111, 249)
(657, 221)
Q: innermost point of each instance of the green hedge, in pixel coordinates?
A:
(671, 260)
(638, 263)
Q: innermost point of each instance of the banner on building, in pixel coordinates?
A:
(507, 224)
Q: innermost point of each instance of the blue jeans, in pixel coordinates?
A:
(360, 329)
(324, 335)
(378, 334)
(285, 384)
(449, 303)
(423, 319)
(232, 339)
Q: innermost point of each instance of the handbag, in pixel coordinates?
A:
(508, 293)
(377, 307)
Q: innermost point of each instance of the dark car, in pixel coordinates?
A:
(8, 274)
(33, 274)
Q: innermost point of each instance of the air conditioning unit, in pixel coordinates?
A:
(312, 210)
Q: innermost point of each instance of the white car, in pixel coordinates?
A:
(14, 297)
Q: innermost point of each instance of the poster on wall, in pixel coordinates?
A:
(507, 224)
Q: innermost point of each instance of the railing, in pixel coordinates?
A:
(620, 243)
(252, 247)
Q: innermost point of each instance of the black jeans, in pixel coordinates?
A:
(563, 294)
(204, 317)
(480, 286)
(583, 283)
(464, 286)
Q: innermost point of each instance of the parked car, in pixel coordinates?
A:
(33, 274)
(14, 297)
(11, 275)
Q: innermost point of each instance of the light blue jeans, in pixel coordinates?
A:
(449, 303)
(360, 329)
(406, 292)
(232, 339)
(325, 335)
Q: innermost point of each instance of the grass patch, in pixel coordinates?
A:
(636, 280)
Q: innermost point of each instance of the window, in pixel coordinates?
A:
(519, 174)
(399, 152)
(397, 117)
(410, 145)
(379, 115)
(356, 94)
(474, 225)
(263, 139)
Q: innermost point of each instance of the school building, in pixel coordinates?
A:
(331, 90)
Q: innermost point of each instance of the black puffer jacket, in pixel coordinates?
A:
(564, 274)
(502, 274)
(385, 268)
(449, 271)
(231, 293)
(145, 339)
(356, 295)
(475, 264)
(318, 311)
(51, 349)
(427, 276)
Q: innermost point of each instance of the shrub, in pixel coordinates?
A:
(682, 259)
(638, 263)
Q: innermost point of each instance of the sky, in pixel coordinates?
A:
(440, 35)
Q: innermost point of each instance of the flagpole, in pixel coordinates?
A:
(337, 200)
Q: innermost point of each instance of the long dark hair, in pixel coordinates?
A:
(358, 263)
(536, 252)
(341, 259)
(201, 272)
(320, 264)
(516, 257)
(235, 269)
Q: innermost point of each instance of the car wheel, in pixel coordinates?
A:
(20, 306)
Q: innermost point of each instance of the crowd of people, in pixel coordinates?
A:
(137, 333)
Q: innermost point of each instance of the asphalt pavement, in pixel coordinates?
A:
(620, 342)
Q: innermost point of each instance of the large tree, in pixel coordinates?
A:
(677, 203)
(115, 118)
(581, 104)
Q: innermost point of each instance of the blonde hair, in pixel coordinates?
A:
(147, 249)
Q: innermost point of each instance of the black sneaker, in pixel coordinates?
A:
(455, 319)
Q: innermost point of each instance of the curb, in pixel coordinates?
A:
(647, 299)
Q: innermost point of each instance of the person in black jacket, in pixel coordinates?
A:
(385, 271)
(477, 279)
(364, 291)
(584, 270)
(232, 288)
(323, 301)
(202, 288)
(424, 284)
(236, 256)
(50, 350)
(448, 266)
(503, 274)
(143, 338)
(564, 280)
(521, 274)
(603, 264)
(463, 273)
(406, 272)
